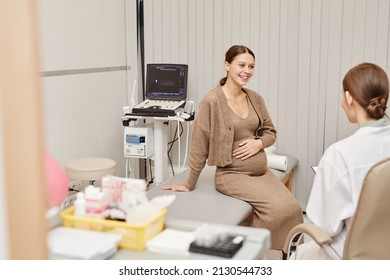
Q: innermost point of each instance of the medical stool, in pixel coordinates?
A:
(90, 168)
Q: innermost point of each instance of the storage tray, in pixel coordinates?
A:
(134, 235)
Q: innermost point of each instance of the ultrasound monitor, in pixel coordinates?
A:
(166, 82)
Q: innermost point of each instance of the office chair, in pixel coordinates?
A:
(369, 232)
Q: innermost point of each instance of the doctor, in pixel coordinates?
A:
(342, 169)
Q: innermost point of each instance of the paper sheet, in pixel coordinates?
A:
(277, 162)
(73, 243)
(171, 241)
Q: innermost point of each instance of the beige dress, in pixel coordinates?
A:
(275, 208)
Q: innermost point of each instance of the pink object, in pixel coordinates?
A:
(57, 181)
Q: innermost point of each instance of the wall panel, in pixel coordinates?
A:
(276, 76)
(333, 90)
(302, 100)
(263, 57)
(343, 128)
(83, 109)
(303, 49)
(209, 33)
(382, 32)
(79, 34)
(218, 44)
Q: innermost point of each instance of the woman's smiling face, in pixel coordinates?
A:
(241, 69)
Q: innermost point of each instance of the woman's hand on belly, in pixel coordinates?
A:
(248, 148)
(176, 188)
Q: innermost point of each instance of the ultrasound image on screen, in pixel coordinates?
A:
(166, 81)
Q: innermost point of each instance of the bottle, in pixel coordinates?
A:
(80, 205)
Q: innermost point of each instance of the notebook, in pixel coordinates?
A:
(166, 90)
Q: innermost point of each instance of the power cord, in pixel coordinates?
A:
(171, 143)
(149, 166)
(179, 147)
(169, 152)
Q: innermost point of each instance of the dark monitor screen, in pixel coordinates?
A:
(166, 81)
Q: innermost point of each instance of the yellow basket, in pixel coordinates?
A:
(134, 235)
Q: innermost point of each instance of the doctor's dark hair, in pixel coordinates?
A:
(369, 86)
(232, 53)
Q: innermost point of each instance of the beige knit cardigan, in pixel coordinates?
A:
(213, 132)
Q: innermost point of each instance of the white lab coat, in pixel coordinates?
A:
(338, 182)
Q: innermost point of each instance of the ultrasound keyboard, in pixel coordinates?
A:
(154, 112)
(158, 108)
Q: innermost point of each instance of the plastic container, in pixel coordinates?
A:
(134, 235)
(80, 205)
(113, 188)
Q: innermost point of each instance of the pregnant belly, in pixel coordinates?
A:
(256, 165)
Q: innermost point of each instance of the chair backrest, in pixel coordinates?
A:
(369, 233)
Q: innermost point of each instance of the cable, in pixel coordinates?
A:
(171, 143)
(150, 171)
(169, 152)
(187, 144)
(179, 147)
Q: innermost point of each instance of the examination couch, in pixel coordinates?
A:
(206, 204)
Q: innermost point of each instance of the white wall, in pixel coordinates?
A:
(303, 49)
(86, 47)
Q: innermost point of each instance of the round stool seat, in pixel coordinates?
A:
(91, 168)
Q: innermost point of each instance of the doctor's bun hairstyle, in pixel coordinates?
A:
(369, 86)
(232, 53)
